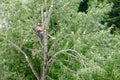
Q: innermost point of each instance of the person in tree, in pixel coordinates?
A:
(39, 33)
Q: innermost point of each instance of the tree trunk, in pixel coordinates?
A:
(45, 22)
(45, 55)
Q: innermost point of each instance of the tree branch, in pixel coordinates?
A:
(46, 15)
(42, 15)
(62, 52)
(50, 11)
(26, 57)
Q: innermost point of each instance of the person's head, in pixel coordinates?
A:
(38, 24)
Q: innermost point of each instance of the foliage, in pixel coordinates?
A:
(114, 16)
(89, 51)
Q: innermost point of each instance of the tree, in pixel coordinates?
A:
(82, 49)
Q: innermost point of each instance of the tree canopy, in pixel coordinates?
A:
(83, 48)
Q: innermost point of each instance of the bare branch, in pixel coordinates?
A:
(47, 15)
(26, 57)
(50, 11)
(51, 36)
(62, 52)
(42, 15)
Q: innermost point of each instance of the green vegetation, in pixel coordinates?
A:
(114, 16)
(86, 49)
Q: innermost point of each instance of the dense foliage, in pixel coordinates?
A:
(114, 16)
(87, 49)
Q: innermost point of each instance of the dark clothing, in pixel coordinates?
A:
(39, 34)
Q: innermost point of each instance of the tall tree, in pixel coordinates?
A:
(82, 49)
